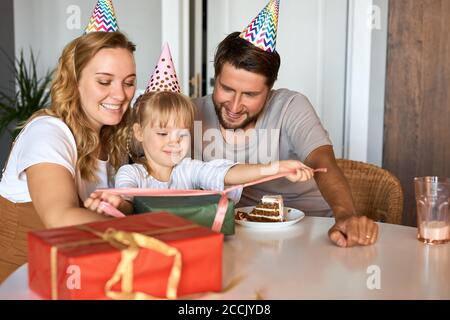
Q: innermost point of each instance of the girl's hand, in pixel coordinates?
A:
(94, 200)
(301, 172)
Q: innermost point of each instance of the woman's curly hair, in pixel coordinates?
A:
(66, 104)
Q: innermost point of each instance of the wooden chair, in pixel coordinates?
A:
(376, 192)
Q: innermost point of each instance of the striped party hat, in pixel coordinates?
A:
(262, 31)
(103, 18)
(164, 78)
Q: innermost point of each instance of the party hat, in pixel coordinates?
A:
(164, 78)
(262, 31)
(103, 18)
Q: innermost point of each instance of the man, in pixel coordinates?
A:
(251, 117)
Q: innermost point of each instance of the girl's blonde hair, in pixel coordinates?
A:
(66, 103)
(157, 109)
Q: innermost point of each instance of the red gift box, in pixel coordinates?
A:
(157, 255)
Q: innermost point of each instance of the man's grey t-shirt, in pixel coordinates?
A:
(287, 128)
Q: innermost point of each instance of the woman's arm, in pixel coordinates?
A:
(55, 197)
(244, 173)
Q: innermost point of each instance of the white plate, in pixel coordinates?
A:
(292, 216)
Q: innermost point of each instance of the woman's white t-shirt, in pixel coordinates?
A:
(46, 139)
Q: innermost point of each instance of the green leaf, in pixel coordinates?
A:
(32, 93)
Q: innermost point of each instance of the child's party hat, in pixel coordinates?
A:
(164, 77)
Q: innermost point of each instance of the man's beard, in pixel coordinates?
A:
(226, 125)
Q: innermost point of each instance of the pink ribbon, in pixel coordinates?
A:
(221, 207)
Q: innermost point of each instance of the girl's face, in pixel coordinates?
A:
(106, 86)
(163, 146)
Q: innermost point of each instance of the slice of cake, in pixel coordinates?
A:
(271, 209)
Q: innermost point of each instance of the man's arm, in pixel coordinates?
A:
(332, 184)
(349, 229)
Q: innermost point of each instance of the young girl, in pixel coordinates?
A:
(161, 126)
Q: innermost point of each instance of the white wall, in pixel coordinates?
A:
(366, 72)
(331, 69)
(42, 25)
(377, 85)
(358, 80)
(175, 31)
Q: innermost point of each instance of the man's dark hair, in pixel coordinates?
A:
(241, 54)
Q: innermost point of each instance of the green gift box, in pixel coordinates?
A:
(199, 209)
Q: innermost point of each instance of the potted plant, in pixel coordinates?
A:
(31, 94)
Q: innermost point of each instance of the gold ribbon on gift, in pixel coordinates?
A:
(129, 244)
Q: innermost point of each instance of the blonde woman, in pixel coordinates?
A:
(67, 151)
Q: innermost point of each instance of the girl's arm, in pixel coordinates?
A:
(244, 173)
(95, 198)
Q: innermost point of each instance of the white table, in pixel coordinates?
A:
(299, 262)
